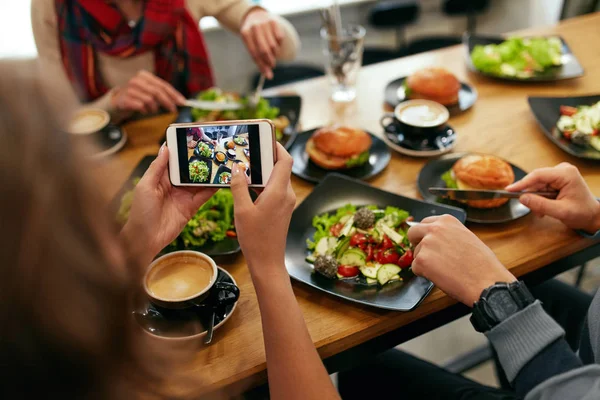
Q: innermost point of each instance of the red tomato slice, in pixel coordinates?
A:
(347, 271)
(386, 243)
(231, 234)
(568, 110)
(389, 256)
(370, 253)
(406, 259)
(358, 239)
(336, 229)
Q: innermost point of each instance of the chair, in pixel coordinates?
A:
(288, 73)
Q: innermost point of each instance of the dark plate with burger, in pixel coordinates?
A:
(435, 84)
(349, 151)
(474, 171)
(332, 244)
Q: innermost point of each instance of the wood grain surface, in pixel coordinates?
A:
(500, 123)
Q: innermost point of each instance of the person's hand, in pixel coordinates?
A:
(146, 93)
(454, 259)
(159, 210)
(262, 226)
(263, 36)
(575, 205)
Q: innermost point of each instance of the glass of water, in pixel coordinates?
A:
(344, 52)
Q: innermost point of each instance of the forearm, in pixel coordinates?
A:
(294, 367)
(138, 252)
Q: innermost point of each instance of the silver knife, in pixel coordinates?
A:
(458, 194)
(213, 105)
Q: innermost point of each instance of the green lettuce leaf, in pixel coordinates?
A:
(449, 180)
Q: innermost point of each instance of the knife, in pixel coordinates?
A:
(458, 194)
(213, 105)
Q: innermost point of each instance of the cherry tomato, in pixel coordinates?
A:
(405, 260)
(386, 243)
(596, 132)
(568, 110)
(358, 240)
(388, 256)
(347, 271)
(336, 229)
(231, 234)
(567, 134)
(369, 251)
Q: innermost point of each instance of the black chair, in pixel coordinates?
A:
(288, 73)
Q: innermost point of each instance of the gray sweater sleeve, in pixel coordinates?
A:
(578, 384)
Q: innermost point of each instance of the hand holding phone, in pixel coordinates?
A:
(204, 154)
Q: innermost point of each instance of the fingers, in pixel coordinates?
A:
(539, 178)
(239, 189)
(543, 206)
(280, 177)
(417, 233)
(158, 168)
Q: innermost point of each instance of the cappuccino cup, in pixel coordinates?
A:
(418, 119)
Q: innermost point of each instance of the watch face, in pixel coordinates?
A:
(501, 305)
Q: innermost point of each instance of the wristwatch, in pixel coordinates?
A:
(498, 302)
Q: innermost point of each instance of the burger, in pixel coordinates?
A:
(339, 147)
(435, 84)
(480, 172)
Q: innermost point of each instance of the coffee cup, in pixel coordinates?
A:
(417, 119)
(184, 279)
(87, 121)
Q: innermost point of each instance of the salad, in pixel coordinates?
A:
(581, 125)
(367, 243)
(204, 150)
(212, 223)
(263, 110)
(518, 57)
(225, 177)
(198, 171)
(240, 140)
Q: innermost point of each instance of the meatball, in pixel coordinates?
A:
(327, 266)
(364, 218)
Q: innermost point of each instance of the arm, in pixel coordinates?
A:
(293, 365)
(56, 84)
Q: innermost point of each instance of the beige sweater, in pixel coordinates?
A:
(117, 71)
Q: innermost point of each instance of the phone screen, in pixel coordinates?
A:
(208, 153)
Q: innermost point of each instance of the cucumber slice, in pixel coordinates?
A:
(392, 234)
(346, 229)
(340, 276)
(371, 281)
(331, 244)
(386, 272)
(341, 247)
(370, 272)
(322, 246)
(595, 142)
(311, 259)
(353, 257)
(395, 278)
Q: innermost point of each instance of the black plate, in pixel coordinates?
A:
(431, 176)
(220, 162)
(247, 154)
(336, 191)
(245, 143)
(226, 247)
(247, 166)
(197, 150)
(306, 169)
(181, 324)
(209, 163)
(288, 105)
(547, 112)
(570, 69)
(467, 95)
(442, 144)
(221, 169)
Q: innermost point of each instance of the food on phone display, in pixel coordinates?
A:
(220, 156)
(581, 125)
(480, 172)
(204, 149)
(230, 145)
(368, 244)
(198, 171)
(247, 154)
(339, 147)
(225, 178)
(518, 57)
(212, 223)
(435, 84)
(231, 154)
(262, 110)
(240, 140)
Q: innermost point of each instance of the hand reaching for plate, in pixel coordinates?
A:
(263, 36)
(575, 205)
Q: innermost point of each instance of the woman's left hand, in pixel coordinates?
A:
(263, 36)
(159, 210)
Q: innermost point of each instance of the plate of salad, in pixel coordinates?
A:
(283, 111)
(199, 169)
(328, 249)
(571, 123)
(210, 231)
(204, 149)
(522, 58)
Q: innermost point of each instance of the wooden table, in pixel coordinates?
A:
(500, 123)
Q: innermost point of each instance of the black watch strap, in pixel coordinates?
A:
(499, 302)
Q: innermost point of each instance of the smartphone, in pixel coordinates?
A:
(203, 154)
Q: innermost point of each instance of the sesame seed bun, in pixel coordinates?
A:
(435, 84)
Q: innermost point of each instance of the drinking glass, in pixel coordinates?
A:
(344, 53)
